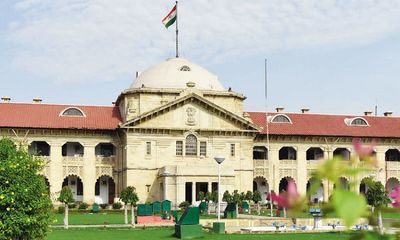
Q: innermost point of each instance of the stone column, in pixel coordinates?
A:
(193, 192)
(301, 170)
(273, 181)
(381, 165)
(89, 173)
(56, 168)
(180, 192)
(209, 187)
(165, 187)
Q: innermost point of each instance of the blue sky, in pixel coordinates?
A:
(339, 57)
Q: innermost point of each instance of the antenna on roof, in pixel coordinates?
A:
(376, 107)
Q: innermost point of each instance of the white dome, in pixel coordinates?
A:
(176, 73)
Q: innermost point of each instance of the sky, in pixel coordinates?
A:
(332, 56)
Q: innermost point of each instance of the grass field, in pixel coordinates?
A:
(166, 233)
(76, 218)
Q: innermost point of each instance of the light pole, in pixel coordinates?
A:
(219, 159)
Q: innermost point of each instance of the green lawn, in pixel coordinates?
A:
(109, 217)
(92, 218)
(166, 233)
(391, 214)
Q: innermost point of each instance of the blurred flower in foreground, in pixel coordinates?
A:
(363, 150)
(395, 196)
(287, 199)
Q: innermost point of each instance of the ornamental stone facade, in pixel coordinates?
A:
(163, 133)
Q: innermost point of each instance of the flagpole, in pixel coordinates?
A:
(176, 30)
(267, 128)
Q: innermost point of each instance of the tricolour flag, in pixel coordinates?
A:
(170, 18)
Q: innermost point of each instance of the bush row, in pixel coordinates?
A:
(84, 206)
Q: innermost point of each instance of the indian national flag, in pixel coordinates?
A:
(170, 18)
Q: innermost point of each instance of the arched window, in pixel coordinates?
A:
(281, 118)
(287, 153)
(184, 68)
(72, 112)
(260, 152)
(191, 145)
(359, 122)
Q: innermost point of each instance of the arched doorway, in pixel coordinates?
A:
(364, 185)
(104, 190)
(343, 153)
(72, 149)
(39, 148)
(317, 195)
(260, 184)
(391, 184)
(283, 184)
(343, 183)
(76, 185)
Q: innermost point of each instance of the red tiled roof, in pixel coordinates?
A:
(328, 125)
(39, 115)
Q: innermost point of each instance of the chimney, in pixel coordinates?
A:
(368, 113)
(37, 100)
(279, 109)
(305, 110)
(138, 73)
(5, 99)
(388, 114)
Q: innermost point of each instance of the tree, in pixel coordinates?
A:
(242, 196)
(257, 199)
(24, 201)
(249, 196)
(66, 197)
(214, 199)
(236, 199)
(200, 196)
(208, 198)
(129, 196)
(214, 196)
(377, 197)
(227, 197)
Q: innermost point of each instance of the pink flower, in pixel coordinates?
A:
(395, 196)
(363, 150)
(286, 199)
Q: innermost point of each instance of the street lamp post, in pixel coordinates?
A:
(219, 160)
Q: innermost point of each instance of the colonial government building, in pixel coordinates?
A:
(163, 132)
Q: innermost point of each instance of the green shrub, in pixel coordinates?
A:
(61, 209)
(103, 205)
(117, 205)
(72, 205)
(83, 206)
(184, 205)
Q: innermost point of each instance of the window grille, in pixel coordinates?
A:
(179, 148)
(191, 145)
(203, 148)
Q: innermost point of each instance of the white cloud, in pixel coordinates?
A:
(98, 40)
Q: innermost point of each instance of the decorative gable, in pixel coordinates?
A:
(191, 112)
